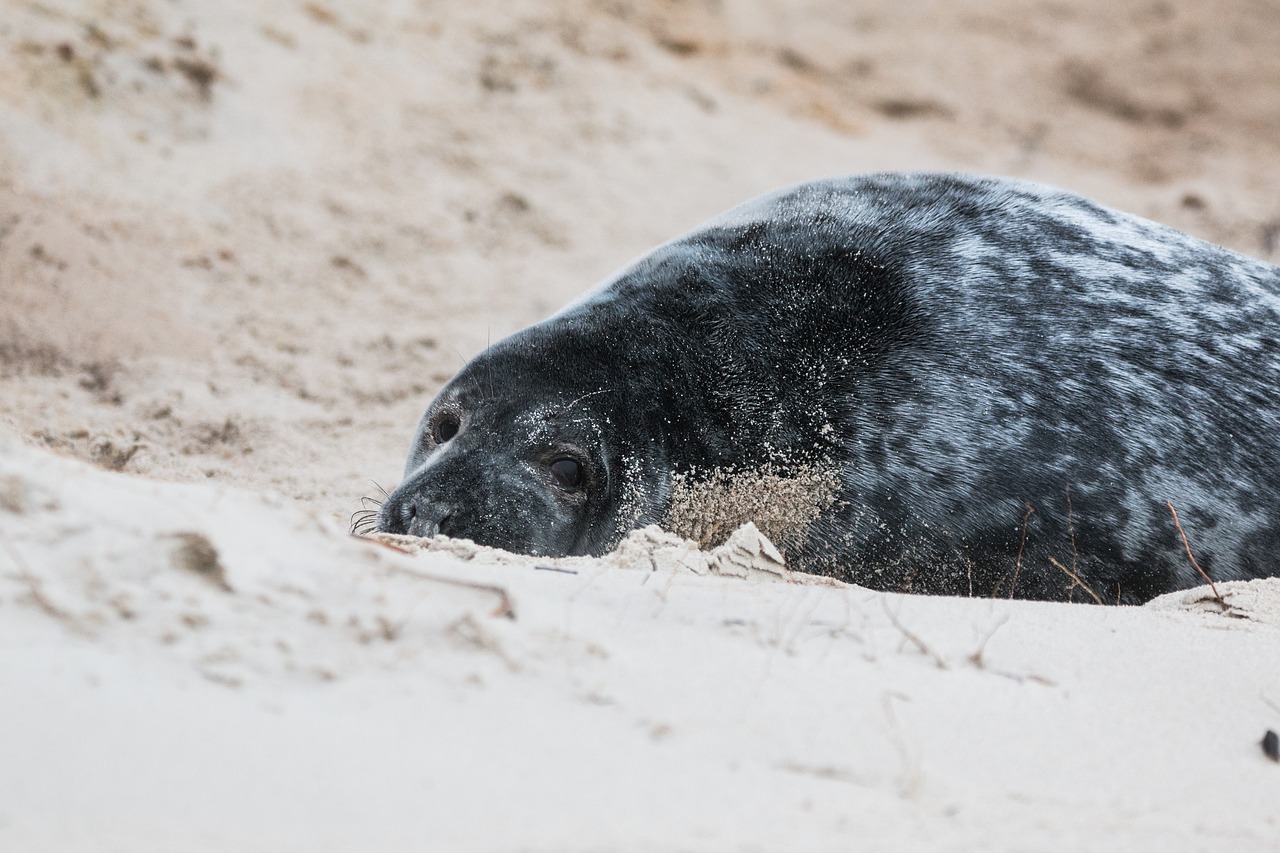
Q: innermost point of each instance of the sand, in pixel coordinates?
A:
(241, 245)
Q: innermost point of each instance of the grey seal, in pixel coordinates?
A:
(924, 382)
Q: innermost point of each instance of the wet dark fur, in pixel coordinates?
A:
(1001, 373)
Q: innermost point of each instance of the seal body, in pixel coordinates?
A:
(932, 383)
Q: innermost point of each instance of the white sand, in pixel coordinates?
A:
(241, 244)
(295, 689)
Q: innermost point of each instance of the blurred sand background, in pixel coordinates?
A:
(247, 242)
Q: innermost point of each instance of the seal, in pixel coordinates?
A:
(923, 382)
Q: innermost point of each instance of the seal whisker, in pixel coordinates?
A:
(567, 406)
(488, 343)
(363, 521)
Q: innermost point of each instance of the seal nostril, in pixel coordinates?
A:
(422, 517)
(445, 525)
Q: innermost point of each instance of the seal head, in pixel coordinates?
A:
(524, 452)
(708, 375)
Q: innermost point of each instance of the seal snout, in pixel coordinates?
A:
(414, 514)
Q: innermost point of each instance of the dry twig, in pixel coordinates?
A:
(916, 641)
(1075, 581)
(36, 591)
(556, 569)
(1017, 566)
(1071, 531)
(1191, 556)
(977, 658)
(505, 608)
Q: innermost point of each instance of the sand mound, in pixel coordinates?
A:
(193, 666)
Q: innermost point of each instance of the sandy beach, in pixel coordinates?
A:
(242, 245)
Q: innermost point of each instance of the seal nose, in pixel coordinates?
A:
(428, 519)
(415, 515)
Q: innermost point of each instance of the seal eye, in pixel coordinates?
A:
(445, 427)
(568, 472)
